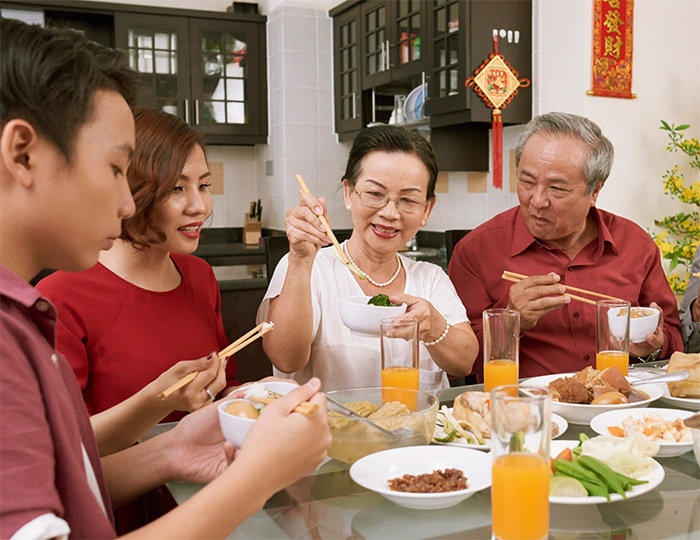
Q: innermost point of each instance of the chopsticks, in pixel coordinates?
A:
(306, 408)
(515, 278)
(243, 341)
(338, 250)
(696, 274)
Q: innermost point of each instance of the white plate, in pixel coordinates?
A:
(583, 414)
(600, 425)
(439, 432)
(654, 478)
(413, 107)
(373, 472)
(692, 404)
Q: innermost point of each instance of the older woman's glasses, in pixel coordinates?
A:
(377, 199)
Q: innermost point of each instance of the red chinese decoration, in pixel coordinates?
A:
(496, 83)
(612, 48)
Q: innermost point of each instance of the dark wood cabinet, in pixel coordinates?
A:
(209, 68)
(396, 45)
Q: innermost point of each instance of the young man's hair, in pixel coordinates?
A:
(49, 78)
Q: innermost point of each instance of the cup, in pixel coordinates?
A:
(399, 349)
(612, 335)
(501, 343)
(520, 436)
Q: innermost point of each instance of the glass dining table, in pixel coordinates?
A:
(329, 505)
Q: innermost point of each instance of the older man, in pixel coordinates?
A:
(557, 236)
(690, 309)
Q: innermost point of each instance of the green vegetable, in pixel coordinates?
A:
(575, 470)
(517, 440)
(447, 438)
(380, 300)
(596, 490)
(611, 478)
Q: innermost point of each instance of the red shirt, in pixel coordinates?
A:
(118, 337)
(622, 261)
(43, 423)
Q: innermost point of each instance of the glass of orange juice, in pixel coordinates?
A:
(613, 335)
(521, 427)
(399, 348)
(501, 346)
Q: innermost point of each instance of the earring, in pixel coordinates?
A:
(422, 223)
(348, 207)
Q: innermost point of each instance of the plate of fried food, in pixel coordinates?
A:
(424, 477)
(468, 423)
(686, 393)
(581, 396)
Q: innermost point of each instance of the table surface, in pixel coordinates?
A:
(329, 505)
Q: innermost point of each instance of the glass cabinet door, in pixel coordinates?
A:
(375, 44)
(409, 31)
(346, 48)
(158, 49)
(226, 80)
(449, 21)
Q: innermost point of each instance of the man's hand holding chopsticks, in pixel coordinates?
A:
(535, 296)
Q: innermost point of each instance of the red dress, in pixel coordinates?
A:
(118, 337)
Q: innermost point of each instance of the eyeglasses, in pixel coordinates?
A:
(377, 199)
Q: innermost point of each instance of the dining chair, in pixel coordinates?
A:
(452, 236)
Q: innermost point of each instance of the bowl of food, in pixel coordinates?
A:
(237, 416)
(581, 396)
(361, 314)
(643, 321)
(424, 477)
(353, 439)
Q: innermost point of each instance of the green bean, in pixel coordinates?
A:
(606, 474)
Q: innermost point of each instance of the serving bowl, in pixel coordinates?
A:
(374, 472)
(603, 421)
(362, 318)
(582, 414)
(235, 428)
(353, 439)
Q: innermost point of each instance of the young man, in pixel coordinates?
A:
(66, 142)
(557, 236)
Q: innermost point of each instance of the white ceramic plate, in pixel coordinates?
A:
(583, 414)
(692, 404)
(413, 106)
(654, 478)
(373, 472)
(600, 425)
(560, 421)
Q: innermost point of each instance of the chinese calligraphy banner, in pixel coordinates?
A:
(612, 48)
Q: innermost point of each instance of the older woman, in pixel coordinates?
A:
(389, 189)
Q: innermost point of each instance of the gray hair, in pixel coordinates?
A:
(601, 155)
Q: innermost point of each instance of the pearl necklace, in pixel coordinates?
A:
(386, 283)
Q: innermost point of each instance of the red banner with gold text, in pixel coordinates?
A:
(612, 48)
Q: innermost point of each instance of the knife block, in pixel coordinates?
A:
(252, 230)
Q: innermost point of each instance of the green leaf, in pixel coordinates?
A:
(665, 126)
(682, 127)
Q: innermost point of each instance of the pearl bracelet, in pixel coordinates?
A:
(438, 340)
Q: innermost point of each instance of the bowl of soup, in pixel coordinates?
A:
(643, 321)
(414, 417)
(362, 317)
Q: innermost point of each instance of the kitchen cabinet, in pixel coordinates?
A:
(209, 72)
(395, 46)
(209, 68)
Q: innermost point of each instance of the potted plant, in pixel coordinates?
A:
(680, 232)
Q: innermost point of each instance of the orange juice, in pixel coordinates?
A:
(499, 372)
(619, 359)
(520, 497)
(401, 377)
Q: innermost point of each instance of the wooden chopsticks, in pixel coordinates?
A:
(306, 408)
(696, 274)
(515, 278)
(243, 341)
(339, 251)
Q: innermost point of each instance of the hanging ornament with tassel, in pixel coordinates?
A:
(496, 83)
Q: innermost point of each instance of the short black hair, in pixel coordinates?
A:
(50, 76)
(390, 138)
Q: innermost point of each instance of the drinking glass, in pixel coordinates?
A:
(612, 335)
(521, 428)
(501, 345)
(399, 348)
